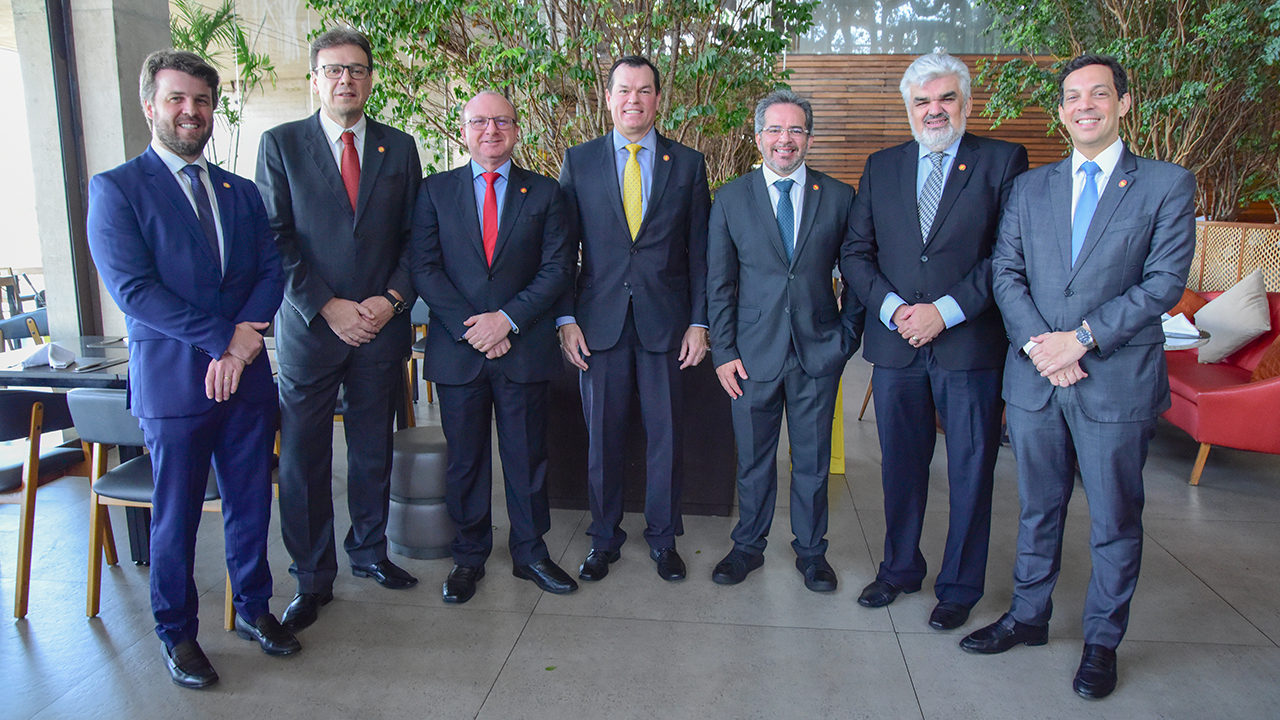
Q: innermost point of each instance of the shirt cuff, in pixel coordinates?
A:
(514, 327)
(889, 307)
(1026, 349)
(950, 311)
(565, 320)
(704, 327)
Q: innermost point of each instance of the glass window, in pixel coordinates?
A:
(888, 27)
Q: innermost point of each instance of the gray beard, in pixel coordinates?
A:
(938, 140)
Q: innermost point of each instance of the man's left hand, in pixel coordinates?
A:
(694, 346)
(381, 309)
(1055, 351)
(486, 330)
(222, 379)
(920, 324)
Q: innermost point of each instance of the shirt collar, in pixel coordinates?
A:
(648, 142)
(504, 170)
(1106, 160)
(951, 150)
(333, 130)
(175, 163)
(798, 175)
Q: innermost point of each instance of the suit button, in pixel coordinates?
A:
(633, 251)
(918, 296)
(1068, 292)
(786, 309)
(924, 258)
(791, 277)
(356, 236)
(626, 285)
(490, 278)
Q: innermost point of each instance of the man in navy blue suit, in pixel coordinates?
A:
(185, 251)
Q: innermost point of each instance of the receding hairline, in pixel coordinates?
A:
(493, 93)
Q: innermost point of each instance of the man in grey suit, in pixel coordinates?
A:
(778, 337)
(339, 189)
(1092, 250)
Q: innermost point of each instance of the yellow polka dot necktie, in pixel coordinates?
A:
(631, 191)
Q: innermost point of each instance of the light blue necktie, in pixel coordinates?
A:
(1085, 207)
(786, 216)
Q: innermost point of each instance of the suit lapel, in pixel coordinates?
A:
(512, 201)
(166, 185)
(322, 155)
(608, 169)
(765, 215)
(226, 213)
(907, 182)
(1060, 188)
(465, 195)
(661, 173)
(370, 165)
(1112, 195)
(962, 168)
(808, 211)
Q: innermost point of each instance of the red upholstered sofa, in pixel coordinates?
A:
(1217, 405)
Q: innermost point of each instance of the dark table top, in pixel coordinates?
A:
(88, 349)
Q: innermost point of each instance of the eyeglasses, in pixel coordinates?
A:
(333, 72)
(480, 123)
(776, 130)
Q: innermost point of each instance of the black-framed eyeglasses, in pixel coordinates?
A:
(794, 132)
(357, 71)
(480, 123)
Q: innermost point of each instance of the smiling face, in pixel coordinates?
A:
(633, 101)
(491, 146)
(181, 113)
(342, 98)
(1091, 109)
(783, 152)
(938, 111)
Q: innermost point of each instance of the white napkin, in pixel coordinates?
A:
(1180, 327)
(50, 354)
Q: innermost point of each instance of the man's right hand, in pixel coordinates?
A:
(729, 374)
(574, 345)
(352, 322)
(247, 342)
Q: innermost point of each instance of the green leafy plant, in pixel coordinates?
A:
(1204, 76)
(217, 36)
(551, 57)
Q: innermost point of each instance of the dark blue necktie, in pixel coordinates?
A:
(204, 210)
(1085, 207)
(786, 216)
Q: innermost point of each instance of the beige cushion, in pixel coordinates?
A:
(1235, 318)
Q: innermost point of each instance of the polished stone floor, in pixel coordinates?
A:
(1202, 642)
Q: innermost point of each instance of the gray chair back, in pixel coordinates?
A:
(101, 416)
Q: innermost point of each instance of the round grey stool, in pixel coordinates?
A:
(418, 525)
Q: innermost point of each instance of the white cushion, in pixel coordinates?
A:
(1235, 318)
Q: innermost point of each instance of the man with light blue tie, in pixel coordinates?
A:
(1092, 250)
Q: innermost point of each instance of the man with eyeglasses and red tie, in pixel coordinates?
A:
(490, 255)
(339, 188)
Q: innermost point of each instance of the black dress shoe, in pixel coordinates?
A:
(817, 572)
(273, 638)
(879, 593)
(1096, 677)
(188, 666)
(735, 566)
(387, 574)
(461, 583)
(948, 616)
(1002, 635)
(304, 610)
(596, 566)
(670, 564)
(546, 575)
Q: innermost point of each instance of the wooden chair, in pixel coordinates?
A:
(26, 415)
(103, 420)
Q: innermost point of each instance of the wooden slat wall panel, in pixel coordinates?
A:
(858, 110)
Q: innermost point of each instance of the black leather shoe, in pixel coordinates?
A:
(948, 616)
(461, 583)
(387, 574)
(1002, 635)
(817, 572)
(273, 638)
(1096, 677)
(735, 566)
(188, 666)
(879, 593)
(304, 610)
(546, 575)
(670, 564)
(596, 566)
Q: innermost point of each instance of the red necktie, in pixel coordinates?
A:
(490, 216)
(350, 167)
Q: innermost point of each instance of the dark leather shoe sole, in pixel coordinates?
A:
(192, 672)
(467, 592)
(818, 577)
(302, 618)
(670, 565)
(596, 566)
(948, 616)
(272, 646)
(391, 583)
(545, 583)
(726, 573)
(996, 638)
(879, 594)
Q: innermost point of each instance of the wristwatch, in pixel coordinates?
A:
(1085, 337)
(397, 305)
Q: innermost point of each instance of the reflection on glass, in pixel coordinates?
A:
(887, 27)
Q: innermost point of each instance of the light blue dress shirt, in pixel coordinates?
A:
(648, 149)
(481, 186)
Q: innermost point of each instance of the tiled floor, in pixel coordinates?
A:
(1202, 642)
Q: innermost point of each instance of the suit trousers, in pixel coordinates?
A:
(1048, 443)
(307, 398)
(238, 436)
(757, 424)
(969, 404)
(466, 414)
(608, 388)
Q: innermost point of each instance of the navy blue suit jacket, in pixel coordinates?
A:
(155, 261)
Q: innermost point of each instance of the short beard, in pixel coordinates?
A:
(168, 137)
(938, 140)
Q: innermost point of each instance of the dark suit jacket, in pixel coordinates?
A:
(329, 251)
(664, 272)
(1133, 267)
(155, 261)
(532, 267)
(887, 254)
(758, 303)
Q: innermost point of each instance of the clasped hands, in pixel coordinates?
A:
(357, 323)
(919, 324)
(1057, 356)
(487, 333)
(222, 379)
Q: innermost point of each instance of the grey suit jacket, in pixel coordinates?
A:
(329, 251)
(759, 305)
(1132, 268)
